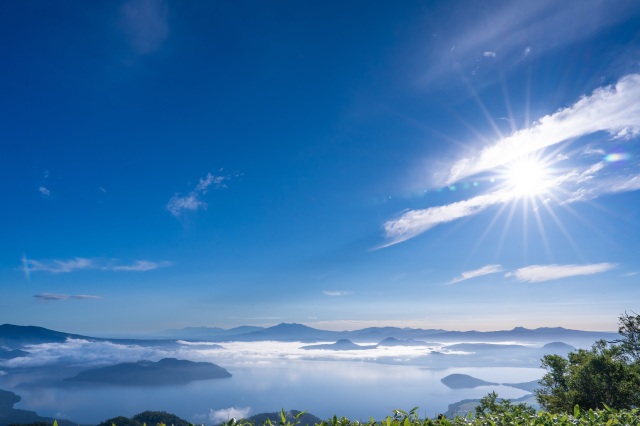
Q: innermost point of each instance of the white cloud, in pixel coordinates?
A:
(55, 297)
(526, 51)
(590, 151)
(540, 273)
(609, 108)
(139, 266)
(180, 204)
(225, 414)
(488, 54)
(44, 191)
(485, 270)
(58, 266)
(336, 292)
(576, 185)
(146, 24)
(612, 109)
(415, 222)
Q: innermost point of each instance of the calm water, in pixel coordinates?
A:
(324, 388)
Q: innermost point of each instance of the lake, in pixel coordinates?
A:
(346, 388)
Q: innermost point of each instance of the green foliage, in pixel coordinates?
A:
(492, 411)
(159, 417)
(591, 378)
(490, 405)
(629, 328)
(153, 418)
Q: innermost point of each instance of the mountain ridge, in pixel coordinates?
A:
(15, 336)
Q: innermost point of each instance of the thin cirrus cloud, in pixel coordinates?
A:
(485, 270)
(541, 273)
(613, 109)
(524, 26)
(49, 297)
(146, 24)
(60, 266)
(180, 204)
(336, 293)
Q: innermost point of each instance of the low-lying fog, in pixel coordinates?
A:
(266, 376)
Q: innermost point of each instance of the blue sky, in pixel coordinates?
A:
(435, 164)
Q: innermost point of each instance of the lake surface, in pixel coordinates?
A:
(354, 389)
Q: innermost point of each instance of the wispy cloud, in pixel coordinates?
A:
(488, 54)
(515, 27)
(225, 414)
(146, 24)
(614, 109)
(576, 185)
(485, 270)
(180, 204)
(540, 273)
(44, 191)
(139, 266)
(414, 222)
(59, 266)
(48, 297)
(335, 293)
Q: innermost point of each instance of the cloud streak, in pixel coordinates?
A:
(146, 24)
(336, 293)
(614, 109)
(48, 297)
(180, 204)
(541, 273)
(485, 270)
(61, 266)
(414, 222)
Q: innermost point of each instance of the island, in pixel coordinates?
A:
(464, 381)
(167, 371)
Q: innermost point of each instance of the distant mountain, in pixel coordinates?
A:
(464, 381)
(206, 333)
(521, 334)
(145, 373)
(10, 354)
(10, 415)
(340, 345)
(287, 333)
(376, 334)
(16, 336)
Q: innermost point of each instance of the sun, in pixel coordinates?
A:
(527, 177)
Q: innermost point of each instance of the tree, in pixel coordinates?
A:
(630, 330)
(607, 374)
(489, 405)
